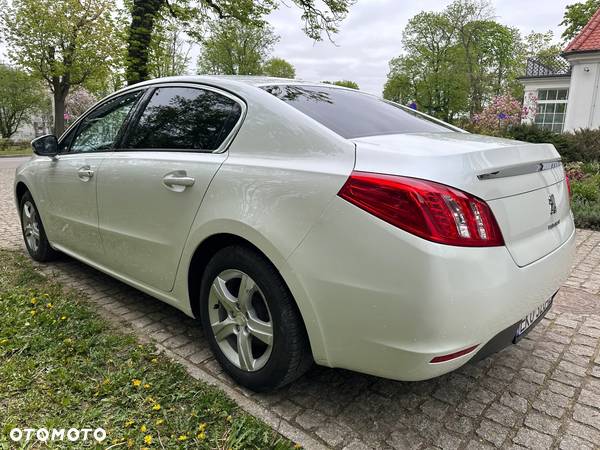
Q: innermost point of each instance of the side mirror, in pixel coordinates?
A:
(46, 145)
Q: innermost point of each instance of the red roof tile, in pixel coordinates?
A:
(589, 37)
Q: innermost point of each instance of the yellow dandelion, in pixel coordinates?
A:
(183, 437)
(147, 386)
(143, 429)
(202, 426)
(34, 301)
(63, 318)
(156, 407)
(201, 436)
(3, 341)
(159, 421)
(136, 382)
(229, 419)
(32, 312)
(148, 439)
(154, 360)
(297, 446)
(129, 423)
(49, 305)
(130, 443)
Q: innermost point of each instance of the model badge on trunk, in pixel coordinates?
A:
(552, 203)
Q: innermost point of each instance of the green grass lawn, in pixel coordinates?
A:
(15, 150)
(63, 366)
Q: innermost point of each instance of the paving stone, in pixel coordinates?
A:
(587, 416)
(574, 443)
(542, 423)
(492, 432)
(589, 398)
(514, 401)
(583, 432)
(332, 433)
(533, 439)
(501, 414)
(458, 423)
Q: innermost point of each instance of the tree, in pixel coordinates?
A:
(234, 48)
(344, 83)
(319, 18)
(169, 52)
(278, 67)
(66, 43)
(577, 16)
(456, 61)
(541, 46)
(20, 96)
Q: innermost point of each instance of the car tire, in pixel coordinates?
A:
(34, 234)
(239, 338)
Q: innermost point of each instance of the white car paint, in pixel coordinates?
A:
(373, 297)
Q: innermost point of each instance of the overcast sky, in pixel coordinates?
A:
(372, 35)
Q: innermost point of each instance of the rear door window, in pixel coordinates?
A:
(353, 114)
(184, 119)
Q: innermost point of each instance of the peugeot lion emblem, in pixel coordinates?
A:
(552, 203)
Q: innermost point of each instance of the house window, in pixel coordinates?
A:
(551, 109)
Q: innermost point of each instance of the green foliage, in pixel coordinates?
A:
(577, 16)
(169, 52)
(20, 96)
(235, 48)
(66, 43)
(319, 18)
(278, 67)
(62, 366)
(344, 83)
(455, 61)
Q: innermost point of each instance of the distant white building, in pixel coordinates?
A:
(566, 92)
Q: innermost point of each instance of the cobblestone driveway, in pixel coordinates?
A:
(542, 393)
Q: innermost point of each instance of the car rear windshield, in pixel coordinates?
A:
(353, 114)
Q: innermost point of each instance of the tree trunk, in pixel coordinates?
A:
(60, 96)
(143, 17)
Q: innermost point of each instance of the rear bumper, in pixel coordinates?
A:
(506, 337)
(388, 302)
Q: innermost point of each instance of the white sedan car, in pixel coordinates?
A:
(306, 222)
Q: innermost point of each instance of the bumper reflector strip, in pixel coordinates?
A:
(450, 356)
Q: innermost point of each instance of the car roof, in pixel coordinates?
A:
(224, 80)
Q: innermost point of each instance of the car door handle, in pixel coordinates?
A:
(85, 173)
(178, 180)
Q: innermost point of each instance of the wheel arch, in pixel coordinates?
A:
(208, 247)
(20, 189)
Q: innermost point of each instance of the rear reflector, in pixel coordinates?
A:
(427, 209)
(450, 356)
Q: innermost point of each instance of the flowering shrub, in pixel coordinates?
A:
(78, 102)
(575, 171)
(502, 112)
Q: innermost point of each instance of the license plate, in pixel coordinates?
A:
(533, 317)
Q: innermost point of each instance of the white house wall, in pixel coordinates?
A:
(532, 85)
(583, 110)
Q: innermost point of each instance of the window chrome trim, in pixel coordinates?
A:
(521, 169)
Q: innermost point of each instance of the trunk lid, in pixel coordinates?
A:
(523, 183)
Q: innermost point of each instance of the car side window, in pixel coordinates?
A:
(65, 142)
(99, 130)
(185, 119)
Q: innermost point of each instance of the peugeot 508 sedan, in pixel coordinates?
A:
(306, 222)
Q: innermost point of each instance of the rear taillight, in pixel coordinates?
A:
(429, 210)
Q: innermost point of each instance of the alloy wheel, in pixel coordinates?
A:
(240, 320)
(31, 226)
